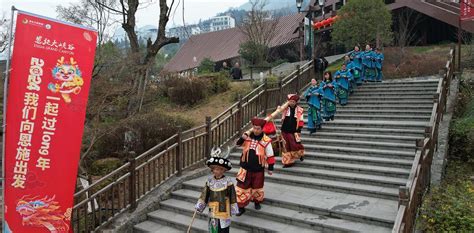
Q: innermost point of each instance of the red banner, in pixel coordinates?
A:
(467, 9)
(47, 97)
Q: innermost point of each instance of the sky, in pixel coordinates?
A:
(193, 9)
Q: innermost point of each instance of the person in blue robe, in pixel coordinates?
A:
(368, 61)
(355, 66)
(313, 96)
(350, 67)
(343, 79)
(329, 98)
(379, 64)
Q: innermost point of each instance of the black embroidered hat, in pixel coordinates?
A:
(219, 159)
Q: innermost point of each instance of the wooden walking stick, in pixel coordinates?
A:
(192, 221)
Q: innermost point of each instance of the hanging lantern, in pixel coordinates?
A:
(330, 21)
(319, 25)
(325, 23)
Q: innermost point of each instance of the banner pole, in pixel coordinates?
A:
(5, 95)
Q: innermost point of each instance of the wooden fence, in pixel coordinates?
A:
(119, 191)
(411, 194)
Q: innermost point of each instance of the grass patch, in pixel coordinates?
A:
(449, 207)
(335, 66)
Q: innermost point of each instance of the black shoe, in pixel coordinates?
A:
(288, 165)
(258, 206)
(320, 127)
(241, 211)
(332, 118)
(301, 158)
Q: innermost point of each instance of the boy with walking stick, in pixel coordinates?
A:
(218, 194)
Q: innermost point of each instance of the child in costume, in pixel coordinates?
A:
(219, 194)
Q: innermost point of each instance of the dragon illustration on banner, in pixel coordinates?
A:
(44, 212)
(68, 78)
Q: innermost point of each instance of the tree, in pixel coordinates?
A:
(361, 22)
(206, 66)
(4, 32)
(405, 32)
(253, 52)
(259, 30)
(142, 61)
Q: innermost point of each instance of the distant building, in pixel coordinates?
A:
(223, 45)
(184, 32)
(221, 22)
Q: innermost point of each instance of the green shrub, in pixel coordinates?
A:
(461, 132)
(102, 167)
(188, 91)
(272, 81)
(206, 66)
(147, 130)
(218, 82)
(449, 207)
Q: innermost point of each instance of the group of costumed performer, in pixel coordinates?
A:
(357, 68)
(365, 65)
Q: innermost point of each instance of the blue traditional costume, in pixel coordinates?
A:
(329, 99)
(219, 194)
(313, 96)
(355, 66)
(369, 67)
(343, 79)
(379, 57)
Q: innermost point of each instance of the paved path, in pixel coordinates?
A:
(286, 68)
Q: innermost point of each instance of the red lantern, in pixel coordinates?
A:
(324, 23)
(319, 25)
(330, 21)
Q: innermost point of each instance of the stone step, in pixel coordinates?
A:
(433, 79)
(376, 170)
(418, 85)
(290, 217)
(383, 112)
(401, 90)
(335, 134)
(384, 102)
(385, 107)
(150, 226)
(376, 95)
(360, 144)
(379, 124)
(315, 142)
(365, 160)
(343, 116)
(256, 222)
(393, 125)
(370, 130)
(304, 169)
(354, 97)
(180, 221)
(378, 211)
(415, 125)
(385, 153)
(389, 193)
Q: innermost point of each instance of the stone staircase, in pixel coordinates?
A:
(350, 177)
